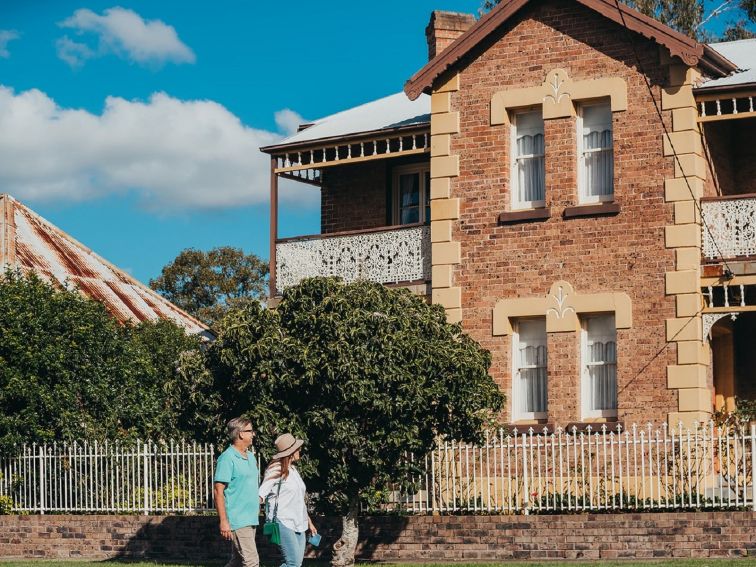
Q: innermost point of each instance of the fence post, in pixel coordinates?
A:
(525, 483)
(753, 467)
(42, 482)
(146, 476)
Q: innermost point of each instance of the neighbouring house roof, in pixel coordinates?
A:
(387, 113)
(689, 50)
(741, 52)
(30, 243)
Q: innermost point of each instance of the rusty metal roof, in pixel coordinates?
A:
(29, 242)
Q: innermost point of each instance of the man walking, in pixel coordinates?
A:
(236, 495)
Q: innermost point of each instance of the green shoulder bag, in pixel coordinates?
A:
(270, 528)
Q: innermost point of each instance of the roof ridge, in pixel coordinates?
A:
(678, 44)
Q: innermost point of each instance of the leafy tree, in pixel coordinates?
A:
(690, 16)
(68, 370)
(365, 374)
(206, 284)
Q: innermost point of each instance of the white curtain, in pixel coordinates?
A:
(599, 162)
(603, 375)
(531, 168)
(533, 377)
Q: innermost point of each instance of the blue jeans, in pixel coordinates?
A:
(292, 546)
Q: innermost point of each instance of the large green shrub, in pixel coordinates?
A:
(68, 370)
(364, 373)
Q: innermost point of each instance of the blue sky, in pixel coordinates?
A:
(134, 125)
(111, 111)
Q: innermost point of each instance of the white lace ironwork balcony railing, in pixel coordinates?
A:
(384, 255)
(731, 223)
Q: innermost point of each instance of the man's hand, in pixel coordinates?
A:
(225, 530)
(312, 528)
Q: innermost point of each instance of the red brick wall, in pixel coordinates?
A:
(623, 253)
(719, 143)
(354, 197)
(733, 154)
(745, 155)
(396, 538)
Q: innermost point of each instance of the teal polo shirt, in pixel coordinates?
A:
(241, 478)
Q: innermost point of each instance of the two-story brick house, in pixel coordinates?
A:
(543, 179)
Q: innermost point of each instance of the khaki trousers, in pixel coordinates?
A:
(244, 550)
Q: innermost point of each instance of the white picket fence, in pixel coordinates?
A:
(640, 468)
(141, 477)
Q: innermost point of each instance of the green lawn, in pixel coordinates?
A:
(626, 563)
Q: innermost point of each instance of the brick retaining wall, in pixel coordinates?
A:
(448, 538)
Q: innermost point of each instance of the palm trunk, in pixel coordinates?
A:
(345, 547)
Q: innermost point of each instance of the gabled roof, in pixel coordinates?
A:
(387, 113)
(30, 243)
(680, 45)
(742, 52)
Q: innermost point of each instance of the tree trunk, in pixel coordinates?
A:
(344, 548)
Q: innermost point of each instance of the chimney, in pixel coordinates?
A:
(444, 28)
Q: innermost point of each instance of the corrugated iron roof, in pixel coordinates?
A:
(29, 242)
(742, 52)
(393, 111)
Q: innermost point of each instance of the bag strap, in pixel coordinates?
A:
(278, 493)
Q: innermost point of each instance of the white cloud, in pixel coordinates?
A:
(72, 52)
(6, 36)
(175, 154)
(125, 33)
(288, 121)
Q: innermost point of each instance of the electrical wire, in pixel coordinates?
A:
(628, 31)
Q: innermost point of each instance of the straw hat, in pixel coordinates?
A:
(286, 445)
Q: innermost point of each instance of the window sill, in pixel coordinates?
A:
(600, 210)
(530, 215)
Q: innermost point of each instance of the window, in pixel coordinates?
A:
(529, 387)
(599, 366)
(528, 166)
(596, 168)
(411, 194)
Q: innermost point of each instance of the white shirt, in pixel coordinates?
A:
(292, 510)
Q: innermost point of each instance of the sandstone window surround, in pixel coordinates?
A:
(560, 96)
(562, 306)
(566, 310)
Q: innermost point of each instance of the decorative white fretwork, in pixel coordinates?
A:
(708, 320)
(401, 255)
(732, 228)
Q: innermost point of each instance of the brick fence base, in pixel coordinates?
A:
(397, 538)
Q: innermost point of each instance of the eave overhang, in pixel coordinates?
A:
(679, 45)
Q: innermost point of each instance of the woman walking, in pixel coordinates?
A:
(284, 490)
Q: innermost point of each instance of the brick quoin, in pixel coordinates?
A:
(394, 538)
(622, 253)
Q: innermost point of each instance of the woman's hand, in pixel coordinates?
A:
(312, 528)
